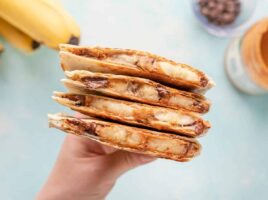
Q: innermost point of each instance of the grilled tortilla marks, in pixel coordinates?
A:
(95, 82)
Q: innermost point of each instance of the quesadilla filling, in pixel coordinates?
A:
(151, 92)
(95, 82)
(146, 62)
(151, 116)
(123, 136)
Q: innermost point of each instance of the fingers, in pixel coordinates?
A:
(122, 161)
(83, 147)
(80, 115)
(80, 146)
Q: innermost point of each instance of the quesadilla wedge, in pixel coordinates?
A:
(134, 63)
(127, 138)
(135, 89)
(177, 121)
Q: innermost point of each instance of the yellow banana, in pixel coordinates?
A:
(43, 20)
(17, 38)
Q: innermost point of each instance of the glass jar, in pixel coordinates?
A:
(240, 23)
(246, 60)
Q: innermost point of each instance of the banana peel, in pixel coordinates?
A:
(17, 38)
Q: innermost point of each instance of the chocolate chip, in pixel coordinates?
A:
(211, 4)
(219, 7)
(231, 8)
(202, 2)
(220, 12)
(133, 87)
(162, 92)
(199, 127)
(88, 53)
(227, 17)
(73, 122)
(95, 82)
(79, 100)
(204, 81)
(205, 11)
(221, 1)
(213, 14)
(81, 126)
(200, 107)
(91, 128)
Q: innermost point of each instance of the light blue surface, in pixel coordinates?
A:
(233, 163)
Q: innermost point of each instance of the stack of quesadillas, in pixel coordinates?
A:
(133, 100)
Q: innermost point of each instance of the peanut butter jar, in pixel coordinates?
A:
(246, 60)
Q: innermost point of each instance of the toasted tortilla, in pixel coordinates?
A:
(159, 118)
(127, 138)
(134, 63)
(135, 89)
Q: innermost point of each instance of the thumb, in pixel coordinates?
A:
(122, 161)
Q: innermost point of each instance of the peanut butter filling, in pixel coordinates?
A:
(264, 49)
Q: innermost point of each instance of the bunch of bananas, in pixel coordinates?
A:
(28, 23)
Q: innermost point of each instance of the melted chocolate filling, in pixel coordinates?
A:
(204, 81)
(82, 127)
(133, 87)
(198, 125)
(88, 53)
(200, 106)
(95, 82)
(79, 100)
(162, 92)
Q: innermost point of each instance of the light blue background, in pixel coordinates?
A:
(233, 163)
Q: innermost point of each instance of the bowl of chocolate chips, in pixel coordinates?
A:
(224, 18)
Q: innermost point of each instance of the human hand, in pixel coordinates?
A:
(87, 170)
